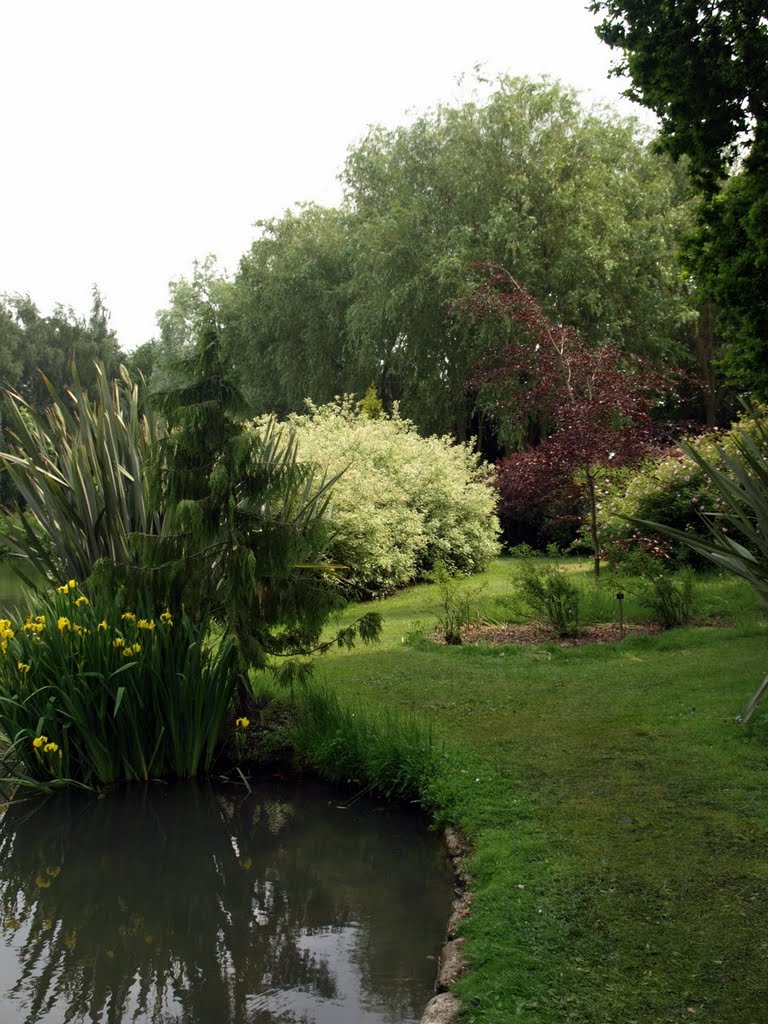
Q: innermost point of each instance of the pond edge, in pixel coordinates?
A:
(445, 1007)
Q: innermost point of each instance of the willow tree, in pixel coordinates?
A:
(288, 310)
(573, 198)
(333, 301)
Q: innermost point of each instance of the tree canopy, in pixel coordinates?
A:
(289, 309)
(332, 301)
(56, 344)
(703, 68)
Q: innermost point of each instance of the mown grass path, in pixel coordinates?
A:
(619, 814)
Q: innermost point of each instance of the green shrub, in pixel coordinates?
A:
(673, 489)
(650, 575)
(670, 596)
(523, 550)
(459, 600)
(92, 693)
(552, 595)
(402, 502)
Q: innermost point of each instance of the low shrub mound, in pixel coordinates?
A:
(673, 490)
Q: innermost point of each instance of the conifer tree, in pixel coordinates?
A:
(247, 524)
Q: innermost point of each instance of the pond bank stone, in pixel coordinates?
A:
(443, 1009)
(457, 846)
(459, 913)
(452, 964)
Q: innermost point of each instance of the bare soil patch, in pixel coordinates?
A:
(530, 634)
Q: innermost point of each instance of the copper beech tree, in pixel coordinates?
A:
(570, 409)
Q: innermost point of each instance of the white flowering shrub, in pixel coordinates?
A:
(402, 502)
(670, 489)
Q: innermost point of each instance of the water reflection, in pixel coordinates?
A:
(191, 903)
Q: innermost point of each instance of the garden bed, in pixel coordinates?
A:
(531, 634)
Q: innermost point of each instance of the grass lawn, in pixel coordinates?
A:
(619, 814)
(11, 591)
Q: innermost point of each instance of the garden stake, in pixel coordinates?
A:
(620, 598)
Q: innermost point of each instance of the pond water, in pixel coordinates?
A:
(207, 904)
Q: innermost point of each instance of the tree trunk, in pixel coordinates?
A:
(705, 344)
(593, 532)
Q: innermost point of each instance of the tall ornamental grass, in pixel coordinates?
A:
(393, 754)
(95, 692)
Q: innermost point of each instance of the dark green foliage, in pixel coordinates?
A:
(246, 528)
(728, 253)
(703, 68)
(61, 345)
(552, 594)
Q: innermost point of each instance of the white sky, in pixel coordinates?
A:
(141, 135)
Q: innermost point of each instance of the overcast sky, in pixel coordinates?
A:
(139, 136)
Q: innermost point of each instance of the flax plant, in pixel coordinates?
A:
(79, 471)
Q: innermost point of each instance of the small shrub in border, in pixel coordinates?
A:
(552, 595)
(670, 597)
(458, 601)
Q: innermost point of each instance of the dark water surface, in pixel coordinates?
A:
(205, 904)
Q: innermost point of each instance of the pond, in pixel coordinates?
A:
(206, 904)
